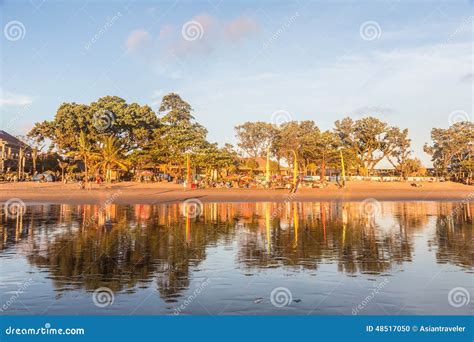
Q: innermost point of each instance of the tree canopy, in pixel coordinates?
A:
(111, 133)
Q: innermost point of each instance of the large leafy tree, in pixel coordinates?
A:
(255, 138)
(411, 167)
(400, 154)
(179, 134)
(452, 149)
(298, 138)
(326, 151)
(369, 138)
(213, 158)
(133, 125)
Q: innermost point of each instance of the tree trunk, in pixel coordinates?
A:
(323, 170)
(35, 155)
(86, 169)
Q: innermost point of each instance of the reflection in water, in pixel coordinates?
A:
(129, 248)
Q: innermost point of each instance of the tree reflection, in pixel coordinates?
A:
(128, 247)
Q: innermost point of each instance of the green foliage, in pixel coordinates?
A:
(113, 134)
(131, 124)
(371, 140)
(110, 155)
(255, 138)
(178, 133)
(452, 150)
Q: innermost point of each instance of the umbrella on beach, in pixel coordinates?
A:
(145, 173)
(247, 178)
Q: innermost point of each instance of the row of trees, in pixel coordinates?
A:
(111, 133)
(362, 143)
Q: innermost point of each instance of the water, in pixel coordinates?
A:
(388, 258)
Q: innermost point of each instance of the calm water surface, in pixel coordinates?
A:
(391, 258)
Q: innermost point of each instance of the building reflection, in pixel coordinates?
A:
(125, 247)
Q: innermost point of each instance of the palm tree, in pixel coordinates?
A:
(85, 152)
(62, 165)
(110, 154)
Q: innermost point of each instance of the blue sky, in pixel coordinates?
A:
(406, 62)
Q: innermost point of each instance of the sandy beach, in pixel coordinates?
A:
(149, 193)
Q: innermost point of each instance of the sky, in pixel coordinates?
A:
(408, 63)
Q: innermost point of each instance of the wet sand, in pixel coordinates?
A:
(150, 193)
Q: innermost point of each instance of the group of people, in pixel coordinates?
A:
(97, 180)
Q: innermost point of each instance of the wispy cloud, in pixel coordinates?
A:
(467, 78)
(240, 28)
(137, 39)
(413, 87)
(166, 31)
(211, 34)
(13, 99)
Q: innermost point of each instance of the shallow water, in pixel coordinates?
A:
(330, 258)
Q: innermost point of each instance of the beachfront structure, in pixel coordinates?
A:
(13, 153)
(257, 166)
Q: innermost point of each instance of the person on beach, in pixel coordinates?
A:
(295, 187)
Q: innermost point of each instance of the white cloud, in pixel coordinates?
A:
(415, 88)
(136, 39)
(12, 99)
(240, 28)
(213, 34)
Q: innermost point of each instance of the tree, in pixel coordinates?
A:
(62, 165)
(178, 133)
(212, 158)
(401, 151)
(370, 138)
(298, 138)
(452, 149)
(109, 155)
(132, 124)
(255, 138)
(251, 164)
(326, 151)
(85, 152)
(411, 167)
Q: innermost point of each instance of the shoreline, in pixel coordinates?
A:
(160, 193)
